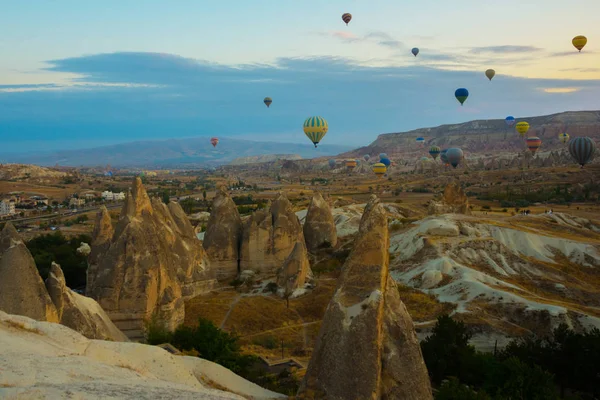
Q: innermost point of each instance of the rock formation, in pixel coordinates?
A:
(49, 361)
(22, 290)
(454, 201)
(295, 271)
(367, 347)
(147, 265)
(319, 228)
(78, 312)
(223, 236)
(269, 237)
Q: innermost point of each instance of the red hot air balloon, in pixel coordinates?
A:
(533, 144)
(214, 141)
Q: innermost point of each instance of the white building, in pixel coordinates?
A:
(7, 208)
(110, 196)
(75, 202)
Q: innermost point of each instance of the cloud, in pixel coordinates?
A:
(377, 37)
(505, 49)
(562, 90)
(571, 53)
(135, 96)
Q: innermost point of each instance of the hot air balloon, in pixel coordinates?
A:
(346, 17)
(366, 157)
(582, 149)
(579, 42)
(461, 95)
(415, 51)
(425, 159)
(490, 73)
(268, 101)
(563, 137)
(455, 156)
(385, 161)
(444, 156)
(434, 151)
(420, 140)
(510, 120)
(214, 141)
(315, 129)
(533, 143)
(382, 155)
(522, 127)
(351, 164)
(332, 163)
(379, 169)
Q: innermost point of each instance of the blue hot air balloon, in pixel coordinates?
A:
(415, 51)
(510, 120)
(332, 163)
(366, 157)
(382, 155)
(461, 95)
(420, 140)
(385, 161)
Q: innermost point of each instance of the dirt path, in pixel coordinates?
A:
(231, 305)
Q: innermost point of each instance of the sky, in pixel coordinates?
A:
(77, 74)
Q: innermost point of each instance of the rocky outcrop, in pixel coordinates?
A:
(295, 272)
(49, 361)
(223, 236)
(367, 347)
(22, 290)
(454, 201)
(78, 312)
(269, 236)
(319, 227)
(149, 264)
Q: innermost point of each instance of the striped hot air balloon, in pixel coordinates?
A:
(510, 121)
(379, 169)
(268, 101)
(315, 129)
(455, 156)
(420, 140)
(522, 127)
(366, 157)
(563, 137)
(434, 151)
(346, 17)
(582, 149)
(351, 164)
(214, 141)
(533, 143)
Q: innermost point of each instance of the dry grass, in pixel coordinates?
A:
(213, 306)
(421, 306)
(258, 314)
(312, 307)
(21, 326)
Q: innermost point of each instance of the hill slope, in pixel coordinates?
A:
(172, 153)
(483, 136)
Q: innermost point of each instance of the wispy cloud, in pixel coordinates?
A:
(505, 49)
(562, 90)
(376, 37)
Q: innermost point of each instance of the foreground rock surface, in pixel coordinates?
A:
(22, 290)
(223, 236)
(319, 227)
(149, 264)
(41, 360)
(78, 312)
(270, 236)
(367, 347)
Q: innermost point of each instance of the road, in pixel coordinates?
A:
(65, 213)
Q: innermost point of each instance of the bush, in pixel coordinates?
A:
(156, 332)
(486, 207)
(272, 287)
(452, 389)
(268, 342)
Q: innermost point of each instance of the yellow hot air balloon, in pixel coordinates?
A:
(579, 42)
(379, 169)
(490, 73)
(564, 137)
(351, 164)
(522, 127)
(315, 129)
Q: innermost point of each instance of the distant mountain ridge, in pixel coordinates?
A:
(172, 153)
(482, 136)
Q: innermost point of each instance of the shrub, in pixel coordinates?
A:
(272, 287)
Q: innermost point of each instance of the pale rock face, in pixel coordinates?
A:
(78, 312)
(319, 227)
(269, 236)
(222, 239)
(295, 272)
(22, 290)
(84, 249)
(50, 361)
(454, 201)
(149, 264)
(367, 347)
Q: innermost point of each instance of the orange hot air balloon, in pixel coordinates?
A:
(533, 143)
(214, 141)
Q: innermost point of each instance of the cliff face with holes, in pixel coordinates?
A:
(367, 347)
